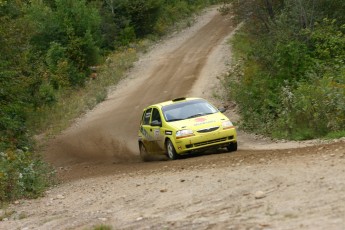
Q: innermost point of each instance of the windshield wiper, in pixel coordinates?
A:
(198, 115)
(177, 119)
(195, 115)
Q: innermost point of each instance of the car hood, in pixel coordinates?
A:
(201, 122)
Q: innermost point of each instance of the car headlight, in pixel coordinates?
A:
(184, 133)
(227, 125)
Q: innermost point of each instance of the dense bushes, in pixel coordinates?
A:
(66, 39)
(14, 44)
(289, 78)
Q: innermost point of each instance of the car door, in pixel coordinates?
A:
(146, 130)
(156, 130)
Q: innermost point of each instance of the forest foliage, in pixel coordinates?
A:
(48, 49)
(289, 75)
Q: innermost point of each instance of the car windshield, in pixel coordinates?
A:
(187, 109)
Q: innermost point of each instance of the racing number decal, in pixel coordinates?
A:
(156, 133)
(144, 132)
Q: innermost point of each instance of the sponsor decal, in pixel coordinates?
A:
(200, 119)
(203, 123)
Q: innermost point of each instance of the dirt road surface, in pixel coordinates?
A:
(264, 185)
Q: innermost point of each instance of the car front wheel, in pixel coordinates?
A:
(232, 147)
(171, 150)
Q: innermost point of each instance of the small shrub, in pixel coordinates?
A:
(46, 94)
(22, 175)
(6, 214)
(102, 227)
(313, 110)
(126, 36)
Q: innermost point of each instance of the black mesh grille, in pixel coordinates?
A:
(208, 130)
(200, 144)
(209, 142)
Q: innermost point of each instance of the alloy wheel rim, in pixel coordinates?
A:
(170, 150)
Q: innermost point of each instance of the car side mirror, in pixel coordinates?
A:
(156, 123)
(222, 110)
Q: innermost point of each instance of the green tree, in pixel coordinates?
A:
(74, 25)
(142, 14)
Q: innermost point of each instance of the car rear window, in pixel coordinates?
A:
(147, 116)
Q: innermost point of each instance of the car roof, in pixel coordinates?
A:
(174, 101)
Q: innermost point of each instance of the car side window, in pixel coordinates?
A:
(156, 116)
(146, 117)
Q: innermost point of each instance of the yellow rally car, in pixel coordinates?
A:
(183, 126)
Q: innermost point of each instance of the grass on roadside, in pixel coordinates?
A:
(102, 227)
(336, 135)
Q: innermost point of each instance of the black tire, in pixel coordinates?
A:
(143, 153)
(170, 149)
(232, 147)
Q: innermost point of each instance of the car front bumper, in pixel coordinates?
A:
(199, 142)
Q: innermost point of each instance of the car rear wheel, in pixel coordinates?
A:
(143, 153)
(232, 147)
(171, 152)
